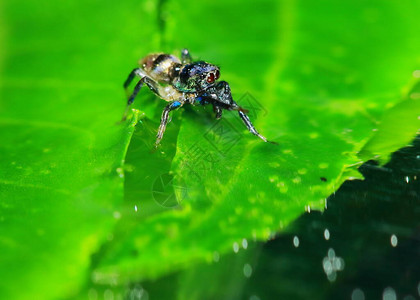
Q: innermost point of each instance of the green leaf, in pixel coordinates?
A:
(399, 123)
(317, 78)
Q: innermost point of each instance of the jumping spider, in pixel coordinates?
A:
(183, 82)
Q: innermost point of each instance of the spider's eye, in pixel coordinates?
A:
(217, 74)
(210, 78)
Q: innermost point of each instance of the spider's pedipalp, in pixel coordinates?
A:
(185, 56)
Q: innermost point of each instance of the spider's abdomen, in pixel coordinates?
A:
(161, 67)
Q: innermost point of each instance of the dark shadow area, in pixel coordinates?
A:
(373, 228)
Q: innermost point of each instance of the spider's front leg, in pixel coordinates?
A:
(164, 119)
(251, 127)
(224, 97)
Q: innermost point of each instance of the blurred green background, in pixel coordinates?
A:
(90, 210)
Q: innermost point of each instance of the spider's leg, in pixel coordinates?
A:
(132, 96)
(139, 72)
(130, 77)
(164, 119)
(185, 56)
(224, 97)
(153, 86)
(218, 110)
(149, 82)
(251, 127)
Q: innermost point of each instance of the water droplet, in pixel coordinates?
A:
(274, 164)
(338, 264)
(117, 215)
(323, 165)
(120, 172)
(394, 240)
(45, 172)
(407, 179)
(273, 178)
(418, 288)
(332, 264)
(92, 294)
(244, 243)
(389, 294)
(314, 135)
(282, 187)
(136, 293)
(297, 179)
(327, 266)
(235, 247)
(108, 295)
(135, 208)
(332, 277)
(302, 171)
(296, 241)
(327, 234)
(247, 270)
(357, 294)
(216, 256)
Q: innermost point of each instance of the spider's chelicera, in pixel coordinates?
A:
(180, 81)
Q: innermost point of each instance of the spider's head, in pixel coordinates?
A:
(197, 76)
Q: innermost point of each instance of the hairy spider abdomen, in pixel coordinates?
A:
(161, 67)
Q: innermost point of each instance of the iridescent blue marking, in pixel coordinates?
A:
(176, 104)
(199, 99)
